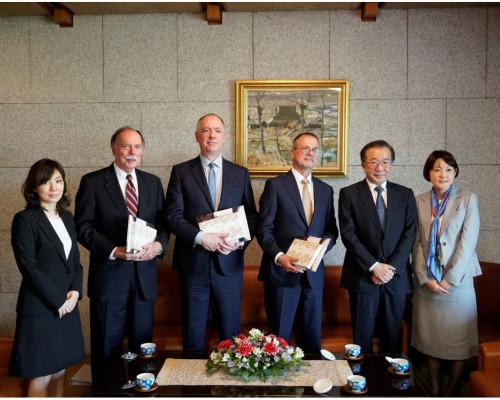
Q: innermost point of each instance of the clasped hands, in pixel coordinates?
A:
(382, 273)
(148, 252)
(440, 288)
(69, 304)
(286, 263)
(218, 242)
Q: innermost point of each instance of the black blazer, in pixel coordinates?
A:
(101, 218)
(282, 219)
(188, 197)
(366, 242)
(47, 275)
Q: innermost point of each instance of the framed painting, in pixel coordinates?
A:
(271, 113)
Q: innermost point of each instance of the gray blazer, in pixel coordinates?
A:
(459, 234)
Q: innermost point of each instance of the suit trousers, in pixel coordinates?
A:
(377, 311)
(197, 292)
(111, 321)
(300, 305)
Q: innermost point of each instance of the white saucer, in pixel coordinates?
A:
(329, 356)
(322, 385)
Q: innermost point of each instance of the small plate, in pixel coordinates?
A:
(360, 357)
(393, 371)
(154, 387)
(322, 385)
(348, 390)
(129, 356)
(150, 357)
(329, 356)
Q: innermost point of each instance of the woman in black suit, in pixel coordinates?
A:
(48, 334)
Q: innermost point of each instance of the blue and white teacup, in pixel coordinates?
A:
(148, 349)
(352, 350)
(356, 383)
(400, 365)
(145, 380)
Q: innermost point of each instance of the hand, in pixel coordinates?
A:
(382, 273)
(148, 252)
(216, 242)
(434, 287)
(286, 263)
(69, 304)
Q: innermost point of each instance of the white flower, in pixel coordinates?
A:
(299, 353)
(255, 333)
(214, 356)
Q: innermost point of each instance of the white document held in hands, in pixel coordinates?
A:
(310, 252)
(139, 232)
(232, 221)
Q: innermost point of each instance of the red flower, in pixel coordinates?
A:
(241, 336)
(283, 343)
(270, 349)
(224, 345)
(244, 348)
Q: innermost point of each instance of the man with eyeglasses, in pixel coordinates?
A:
(122, 286)
(377, 221)
(295, 205)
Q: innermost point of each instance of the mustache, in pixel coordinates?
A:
(131, 158)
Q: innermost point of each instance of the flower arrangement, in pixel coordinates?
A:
(255, 355)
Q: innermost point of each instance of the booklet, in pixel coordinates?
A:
(139, 232)
(231, 220)
(310, 252)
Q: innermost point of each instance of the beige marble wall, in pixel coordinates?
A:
(421, 79)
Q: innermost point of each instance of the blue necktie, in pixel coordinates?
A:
(380, 206)
(211, 183)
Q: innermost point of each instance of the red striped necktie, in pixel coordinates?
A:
(131, 197)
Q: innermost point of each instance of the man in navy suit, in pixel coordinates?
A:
(376, 268)
(208, 264)
(122, 286)
(290, 293)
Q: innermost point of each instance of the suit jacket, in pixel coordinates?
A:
(188, 197)
(459, 233)
(47, 275)
(366, 242)
(282, 219)
(101, 218)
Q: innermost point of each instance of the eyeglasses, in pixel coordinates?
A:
(375, 163)
(307, 149)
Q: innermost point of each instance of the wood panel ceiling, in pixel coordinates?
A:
(62, 13)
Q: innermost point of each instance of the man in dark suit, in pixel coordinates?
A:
(378, 241)
(290, 293)
(122, 286)
(208, 264)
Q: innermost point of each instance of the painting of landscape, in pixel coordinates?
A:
(271, 117)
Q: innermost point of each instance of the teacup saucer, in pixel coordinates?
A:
(154, 387)
(393, 371)
(150, 357)
(322, 385)
(360, 357)
(349, 390)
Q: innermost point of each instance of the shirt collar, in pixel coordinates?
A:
(373, 185)
(299, 178)
(122, 175)
(205, 161)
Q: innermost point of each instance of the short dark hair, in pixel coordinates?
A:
(296, 139)
(433, 157)
(40, 172)
(114, 138)
(373, 144)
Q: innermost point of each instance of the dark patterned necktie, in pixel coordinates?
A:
(380, 206)
(131, 197)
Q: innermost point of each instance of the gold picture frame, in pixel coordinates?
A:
(270, 113)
